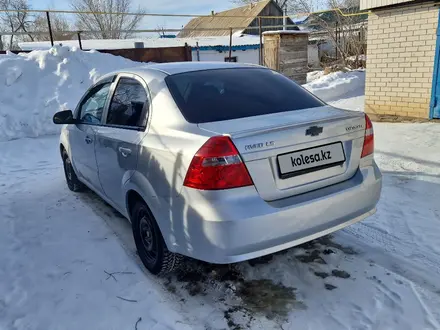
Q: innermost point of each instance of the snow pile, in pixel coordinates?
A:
(337, 85)
(361, 57)
(313, 75)
(34, 86)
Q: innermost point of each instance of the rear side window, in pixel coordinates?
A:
(129, 105)
(223, 94)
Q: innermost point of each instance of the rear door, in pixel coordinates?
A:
(117, 141)
(82, 135)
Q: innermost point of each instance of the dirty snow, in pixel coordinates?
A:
(36, 85)
(69, 261)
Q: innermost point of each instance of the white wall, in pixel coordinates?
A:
(313, 55)
(368, 4)
(243, 56)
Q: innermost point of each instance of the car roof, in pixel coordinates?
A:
(176, 68)
(181, 67)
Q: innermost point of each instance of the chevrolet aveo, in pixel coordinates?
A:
(220, 162)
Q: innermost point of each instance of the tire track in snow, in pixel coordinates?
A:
(429, 317)
(383, 249)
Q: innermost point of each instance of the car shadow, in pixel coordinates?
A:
(275, 286)
(242, 292)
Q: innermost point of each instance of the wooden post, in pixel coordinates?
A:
(187, 52)
(285, 18)
(260, 32)
(198, 51)
(50, 28)
(79, 40)
(336, 37)
(230, 45)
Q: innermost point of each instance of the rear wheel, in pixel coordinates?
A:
(150, 243)
(72, 180)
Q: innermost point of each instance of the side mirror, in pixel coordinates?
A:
(64, 117)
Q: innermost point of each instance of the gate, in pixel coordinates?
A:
(435, 91)
(158, 55)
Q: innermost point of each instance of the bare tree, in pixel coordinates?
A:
(347, 32)
(108, 26)
(59, 24)
(18, 20)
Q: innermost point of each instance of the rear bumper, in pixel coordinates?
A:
(236, 225)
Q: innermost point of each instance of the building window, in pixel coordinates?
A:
(231, 59)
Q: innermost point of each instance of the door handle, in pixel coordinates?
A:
(88, 140)
(125, 152)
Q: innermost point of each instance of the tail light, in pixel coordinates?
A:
(368, 147)
(217, 165)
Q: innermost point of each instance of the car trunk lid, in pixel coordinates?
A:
(294, 152)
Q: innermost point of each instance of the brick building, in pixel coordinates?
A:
(402, 58)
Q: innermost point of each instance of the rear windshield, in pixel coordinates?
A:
(223, 94)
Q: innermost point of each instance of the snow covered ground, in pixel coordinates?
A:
(68, 260)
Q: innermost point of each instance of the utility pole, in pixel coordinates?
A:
(285, 18)
(284, 9)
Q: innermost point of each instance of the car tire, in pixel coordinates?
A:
(72, 180)
(150, 244)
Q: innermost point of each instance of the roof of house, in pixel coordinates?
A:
(332, 16)
(322, 21)
(224, 20)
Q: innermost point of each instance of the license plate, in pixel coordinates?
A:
(313, 159)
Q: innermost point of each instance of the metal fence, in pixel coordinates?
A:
(54, 34)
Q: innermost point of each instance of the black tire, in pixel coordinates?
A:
(72, 180)
(150, 244)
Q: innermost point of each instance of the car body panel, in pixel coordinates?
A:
(117, 149)
(261, 140)
(235, 224)
(117, 152)
(82, 145)
(238, 226)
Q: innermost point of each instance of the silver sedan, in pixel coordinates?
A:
(218, 161)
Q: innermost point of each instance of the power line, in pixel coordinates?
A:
(178, 15)
(146, 30)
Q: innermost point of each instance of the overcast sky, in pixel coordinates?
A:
(156, 6)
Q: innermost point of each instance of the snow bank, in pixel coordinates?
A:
(34, 86)
(361, 57)
(313, 75)
(337, 85)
